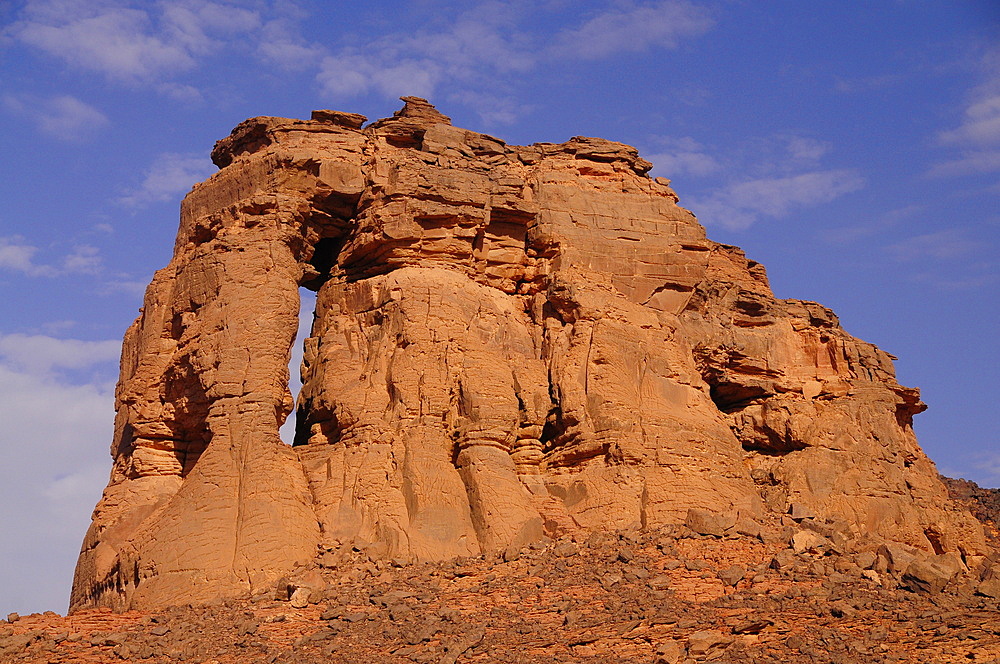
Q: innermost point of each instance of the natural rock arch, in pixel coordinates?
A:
(509, 341)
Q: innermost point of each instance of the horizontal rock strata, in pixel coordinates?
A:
(509, 342)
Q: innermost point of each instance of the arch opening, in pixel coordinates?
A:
(307, 312)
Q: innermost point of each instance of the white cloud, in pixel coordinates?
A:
(987, 469)
(492, 108)
(180, 92)
(631, 28)
(17, 256)
(282, 43)
(977, 137)
(41, 355)
(116, 41)
(969, 163)
(350, 75)
(55, 438)
(64, 117)
(85, 259)
(479, 43)
(941, 245)
(842, 235)
(739, 205)
(981, 125)
(130, 287)
(683, 155)
(485, 45)
(129, 41)
(767, 176)
(168, 177)
(803, 148)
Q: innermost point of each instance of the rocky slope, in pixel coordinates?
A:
(510, 343)
(791, 590)
(984, 504)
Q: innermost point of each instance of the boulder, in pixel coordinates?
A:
(989, 582)
(895, 558)
(708, 522)
(707, 644)
(926, 576)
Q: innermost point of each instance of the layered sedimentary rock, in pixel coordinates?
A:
(508, 342)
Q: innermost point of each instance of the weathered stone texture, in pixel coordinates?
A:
(508, 342)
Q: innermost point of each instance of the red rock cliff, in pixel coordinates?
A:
(508, 341)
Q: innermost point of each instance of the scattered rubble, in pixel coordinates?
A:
(669, 595)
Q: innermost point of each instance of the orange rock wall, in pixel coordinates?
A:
(508, 342)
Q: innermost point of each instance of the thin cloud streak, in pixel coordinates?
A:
(739, 205)
(17, 256)
(635, 28)
(977, 137)
(169, 177)
(684, 156)
(948, 244)
(487, 43)
(41, 355)
(63, 116)
(129, 43)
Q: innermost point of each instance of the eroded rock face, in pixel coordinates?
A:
(508, 342)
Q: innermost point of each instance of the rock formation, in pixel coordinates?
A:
(508, 342)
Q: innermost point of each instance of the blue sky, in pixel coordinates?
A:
(853, 148)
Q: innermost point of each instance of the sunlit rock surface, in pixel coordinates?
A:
(509, 342)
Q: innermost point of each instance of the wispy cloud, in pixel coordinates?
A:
(18, 256)
(41, 355)
(477, 48)
(481, 41)
(981, 124)
(977, 136)
(57, 459)
(63, 117)
(868, 83)
(282, 44)
(167, 178)
(492, 108)
(970, 162)
(85, 259)
(631, 27)
(843, 235)
(683, 156)
(941, 245)
(765, 177)
(739, 205)
(132, 287)
(485, 45)
(987, 468)
(129, 41)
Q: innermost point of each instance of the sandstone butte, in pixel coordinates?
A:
(509, 342)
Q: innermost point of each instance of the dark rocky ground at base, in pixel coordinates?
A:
(790, 591)
(983, 503)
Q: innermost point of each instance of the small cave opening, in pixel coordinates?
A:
(553, 430)
(323, 260)
(307, 312)
(731, 397)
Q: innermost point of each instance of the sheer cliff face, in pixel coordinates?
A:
(508, 342)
